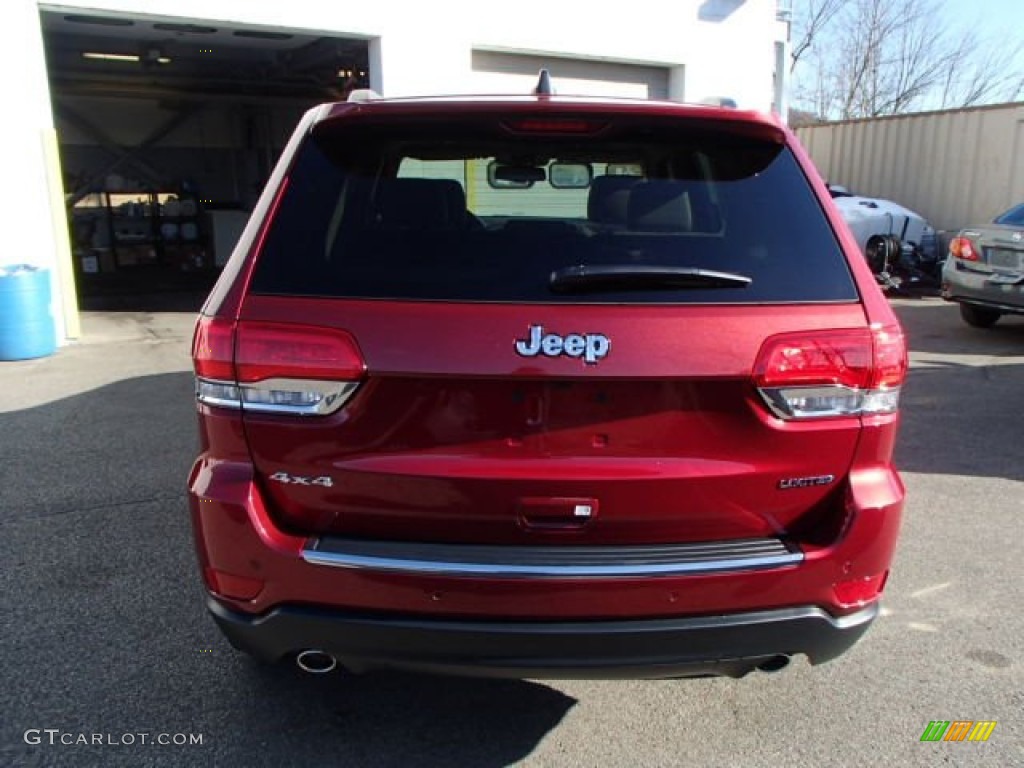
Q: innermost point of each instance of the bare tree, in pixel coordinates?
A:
(814, 17)
(867, 58)
(982, 74)
(816, 91)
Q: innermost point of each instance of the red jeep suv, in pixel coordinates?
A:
(545, 387)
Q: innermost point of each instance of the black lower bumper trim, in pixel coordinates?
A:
(1009, 309)
(732, 644)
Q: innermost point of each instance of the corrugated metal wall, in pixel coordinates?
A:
(955, 168)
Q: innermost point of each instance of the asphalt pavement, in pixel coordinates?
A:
(105, 639)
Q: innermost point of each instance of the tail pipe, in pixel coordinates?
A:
(774, 664)
(316, 662)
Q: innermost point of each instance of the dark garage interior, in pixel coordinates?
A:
(168, 130)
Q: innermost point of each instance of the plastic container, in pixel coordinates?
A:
(26, 325)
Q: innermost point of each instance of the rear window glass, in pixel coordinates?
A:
(432, 211)
(1013, 217)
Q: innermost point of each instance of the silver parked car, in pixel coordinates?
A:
(985, 269)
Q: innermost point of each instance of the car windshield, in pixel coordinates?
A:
(451, 212)
(1013, 217)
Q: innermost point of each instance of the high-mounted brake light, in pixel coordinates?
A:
(832, 373)
(963, 248)
(275, 368)
(555, 125)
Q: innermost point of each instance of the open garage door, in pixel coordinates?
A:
(499, 73)
(168, 129)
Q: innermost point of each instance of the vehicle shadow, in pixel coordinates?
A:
(400, 719)
(963, 398)
(106, 631)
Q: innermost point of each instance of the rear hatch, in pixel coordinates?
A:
(1003, 247)
(997, 249)
(551, 328)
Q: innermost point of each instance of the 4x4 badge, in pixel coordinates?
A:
(283, 477)
(590, 346)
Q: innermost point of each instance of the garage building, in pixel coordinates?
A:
(142, 131)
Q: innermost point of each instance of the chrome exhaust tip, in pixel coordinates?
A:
(774, 664)
(316, 662)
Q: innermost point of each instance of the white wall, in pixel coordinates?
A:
(28, 232)
(418, 48)
(711, 48)
(516, 72)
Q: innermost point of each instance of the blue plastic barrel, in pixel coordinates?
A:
(26, 325)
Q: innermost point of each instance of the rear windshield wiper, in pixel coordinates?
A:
(639, 277)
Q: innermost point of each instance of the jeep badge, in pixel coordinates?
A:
(591, 346)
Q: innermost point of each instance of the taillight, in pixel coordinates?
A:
(964, 248)
(272, 351)
(832, 373)
(213, 348)
(276, 368)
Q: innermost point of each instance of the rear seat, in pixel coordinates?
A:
(629, 203)
(420, 204)
(663, 218)
(608, 200)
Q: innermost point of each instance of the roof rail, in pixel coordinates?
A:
(362, 95)
(720, 101)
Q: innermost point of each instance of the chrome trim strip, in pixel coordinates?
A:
(682, 560)
(219, 402)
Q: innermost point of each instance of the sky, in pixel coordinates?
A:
(1000, 21)
(989, 23)
(1005, 17)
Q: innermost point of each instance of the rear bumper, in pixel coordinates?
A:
(730, 645)
(962, 284)
(271, 599)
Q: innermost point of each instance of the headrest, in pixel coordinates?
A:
(420, 204)
(609, 198)
(660, 206)
(454, 195)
